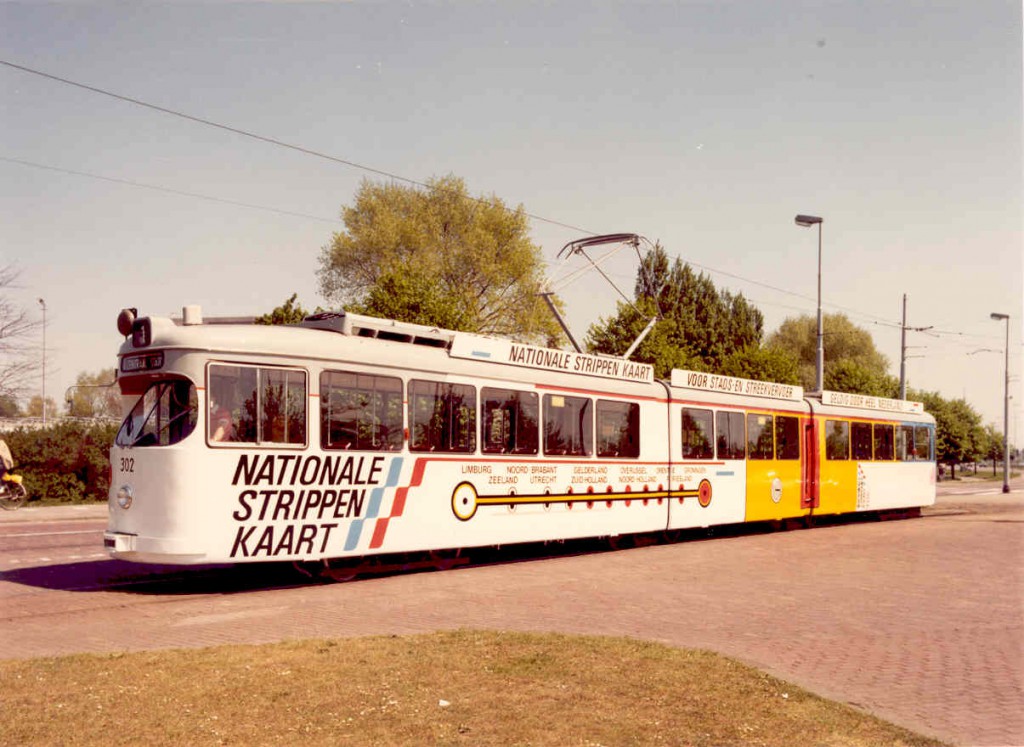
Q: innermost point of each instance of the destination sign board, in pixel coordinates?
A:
(708, 382)
(558, 361)
(845, 399)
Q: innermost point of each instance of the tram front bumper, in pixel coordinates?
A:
(139, 549)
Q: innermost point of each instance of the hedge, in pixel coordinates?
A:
(67, 462)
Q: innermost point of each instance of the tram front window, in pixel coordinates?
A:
(165, 414)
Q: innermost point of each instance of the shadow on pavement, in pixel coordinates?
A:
(172, 580)
(138, 578)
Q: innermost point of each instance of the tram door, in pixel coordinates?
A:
(809, 497)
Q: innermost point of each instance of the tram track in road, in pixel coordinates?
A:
(30, 544)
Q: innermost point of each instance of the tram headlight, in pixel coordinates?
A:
(125, 320)
(125, 496)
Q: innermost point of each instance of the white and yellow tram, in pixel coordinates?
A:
(349, 436)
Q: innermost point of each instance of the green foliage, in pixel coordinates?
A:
(847, 375)
(290, 312)
(95, 396)
(448, 256)
(9, 407)
(844, 343)
(699, 327)
(991, 446)
(959, 435)
(34, 409)
(761, 364)
(67, 461)
(660, 348)
(419, 299)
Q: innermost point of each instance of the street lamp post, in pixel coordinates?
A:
(805, 221)
(1006, 404)
(43, 304)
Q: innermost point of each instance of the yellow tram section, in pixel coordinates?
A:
(837, 482)
(774, 484)
(840, 465)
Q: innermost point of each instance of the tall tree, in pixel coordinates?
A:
(18, 360)
(9, 407)
(416, 298)
(761, 364)
(438, 256)
(851, 359)
(959, 435)
(34, 409)
(699, 326)
(290, 312)
(846, 375)
(95, 395)
(992, 446)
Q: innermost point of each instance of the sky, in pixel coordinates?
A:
(706, 126)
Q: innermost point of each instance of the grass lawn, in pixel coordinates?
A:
(461, 688)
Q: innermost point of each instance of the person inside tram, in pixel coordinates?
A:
(221, 426)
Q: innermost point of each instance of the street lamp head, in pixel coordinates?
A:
(42, 303)
(808, 220)
(999, 317)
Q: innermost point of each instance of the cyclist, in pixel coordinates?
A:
(6, 460)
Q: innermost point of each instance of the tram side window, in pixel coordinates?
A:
(861, 437)
(165, 414)
(905, 444)
(282, 406)
(837, 440)
(568, 425)
(787, 437)
(923, 441)
(732, 443)
(618, 429)
(510, 421)
(442, 417)
(759, 437)
(360, 411)
(252, 404)
(884, 442)
(698, 435)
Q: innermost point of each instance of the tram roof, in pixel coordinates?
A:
(239, 334)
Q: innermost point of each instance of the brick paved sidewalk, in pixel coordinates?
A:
(920, 622)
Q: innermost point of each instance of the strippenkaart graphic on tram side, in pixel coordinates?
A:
(347, 437)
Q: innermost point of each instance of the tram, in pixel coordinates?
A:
(347, 436)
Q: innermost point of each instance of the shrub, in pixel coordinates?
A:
(66, 462)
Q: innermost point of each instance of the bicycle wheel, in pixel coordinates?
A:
(14, 497)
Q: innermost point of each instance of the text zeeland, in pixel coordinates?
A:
(290, 504)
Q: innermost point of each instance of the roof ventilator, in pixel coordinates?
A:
(356, 325)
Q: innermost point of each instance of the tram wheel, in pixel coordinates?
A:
(445, 560)
(621, 541)
(340, 571)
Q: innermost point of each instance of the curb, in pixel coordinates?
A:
(55, 513)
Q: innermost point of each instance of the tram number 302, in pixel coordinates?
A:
(127, 464)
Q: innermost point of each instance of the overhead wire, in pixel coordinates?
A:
(370, 169)
(169, 190)
(261, 138)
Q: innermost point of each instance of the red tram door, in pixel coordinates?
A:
(809, 496)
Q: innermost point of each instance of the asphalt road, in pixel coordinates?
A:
(920, 622)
